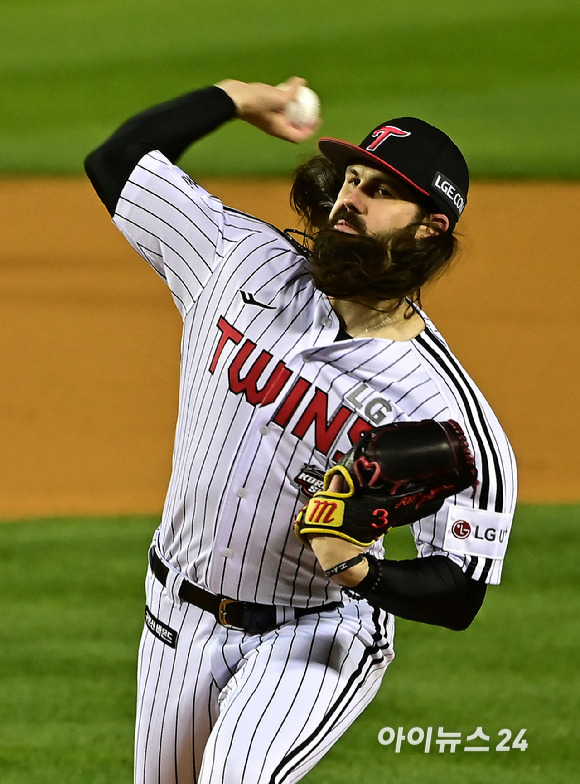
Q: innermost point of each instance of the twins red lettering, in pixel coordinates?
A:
(290, 405)
(249, 384)
(275, 383)
(228, 333)
(245, 381)
(325, 434)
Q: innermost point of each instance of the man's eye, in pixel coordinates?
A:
(385, 192)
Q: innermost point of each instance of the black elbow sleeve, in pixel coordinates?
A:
(430, 590)
(169, 127)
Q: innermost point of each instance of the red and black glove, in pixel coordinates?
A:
(395, 475)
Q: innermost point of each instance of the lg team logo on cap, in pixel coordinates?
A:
(382, 134)
(461, 529)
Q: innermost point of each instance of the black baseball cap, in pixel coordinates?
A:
(420, 154)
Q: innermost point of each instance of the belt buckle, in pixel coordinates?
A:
(222, 613)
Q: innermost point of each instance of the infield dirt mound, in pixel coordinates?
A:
(90, 341)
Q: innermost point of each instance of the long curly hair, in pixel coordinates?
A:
(346, 266)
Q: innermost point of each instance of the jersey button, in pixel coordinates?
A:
(242, 492)
(264, 430)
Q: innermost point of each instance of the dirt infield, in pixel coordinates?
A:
(90, 342)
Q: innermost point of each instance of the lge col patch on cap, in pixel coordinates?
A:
(449, 191)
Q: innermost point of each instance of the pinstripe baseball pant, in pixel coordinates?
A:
(217, 706)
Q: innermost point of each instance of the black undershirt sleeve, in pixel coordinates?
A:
(430, 590)
(170, 128)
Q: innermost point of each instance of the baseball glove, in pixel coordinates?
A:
(395, 475)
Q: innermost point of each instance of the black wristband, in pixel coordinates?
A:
(342, 567)
(371, 580)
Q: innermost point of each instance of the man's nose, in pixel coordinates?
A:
(355, 201)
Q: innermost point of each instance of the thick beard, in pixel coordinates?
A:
(347, 266)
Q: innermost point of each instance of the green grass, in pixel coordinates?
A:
(72, 607)
(514, 668)
(502, 77)
(71, 603)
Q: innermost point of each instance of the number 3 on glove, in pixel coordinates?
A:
(342, 514)
(395, 475)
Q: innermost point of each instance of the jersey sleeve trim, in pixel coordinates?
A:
(496, 489)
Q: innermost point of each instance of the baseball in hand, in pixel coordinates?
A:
(304, 109)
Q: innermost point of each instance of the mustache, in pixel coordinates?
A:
(352, 218)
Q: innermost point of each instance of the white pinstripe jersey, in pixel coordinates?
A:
(266, 389)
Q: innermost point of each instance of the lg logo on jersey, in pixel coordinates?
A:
(462, 530)
(376, 409)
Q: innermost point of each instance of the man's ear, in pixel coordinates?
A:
(442, 222)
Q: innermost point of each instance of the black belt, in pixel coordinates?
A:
(245, 616)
